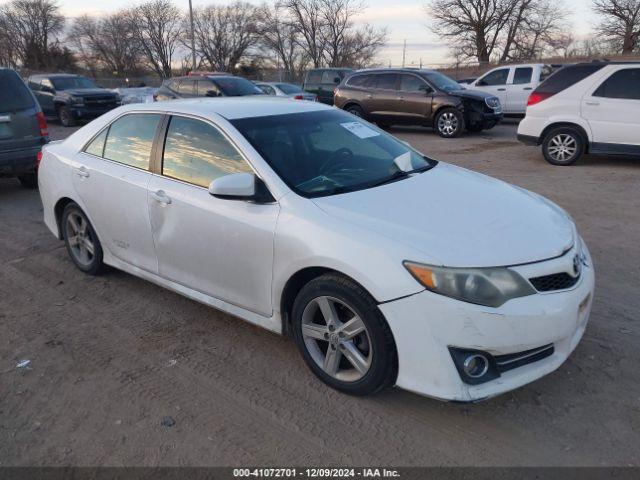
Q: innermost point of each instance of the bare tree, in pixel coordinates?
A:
(620, 22)
(540, 31)
(474, 26)
(30, 29)
(108, 42)
(156, 26)
(280, 38)
(328, 35)
(225, 34)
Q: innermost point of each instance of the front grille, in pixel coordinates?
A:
(100, 102)
(515, 360)
(555, 281)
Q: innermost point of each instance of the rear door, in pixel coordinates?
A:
(519, 88)
(111, 176)
(612, 108)
(19, 129)
(495, 83)
(384, 97)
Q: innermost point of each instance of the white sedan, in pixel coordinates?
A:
(385, 266)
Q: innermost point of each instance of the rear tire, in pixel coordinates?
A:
(354, 351)
(81, 240)
(29, 180)
(65, 117)
(563, 146)
(449, 123)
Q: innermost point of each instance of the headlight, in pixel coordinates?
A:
(491, 287)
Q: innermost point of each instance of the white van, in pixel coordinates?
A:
(512, 84)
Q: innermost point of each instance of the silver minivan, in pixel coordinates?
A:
(23, 129)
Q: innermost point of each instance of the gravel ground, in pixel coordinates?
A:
(123, 372)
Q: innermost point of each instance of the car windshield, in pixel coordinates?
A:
(289, 89)
(69, 83)
(442, 82)
(330, 152)
(237, 87)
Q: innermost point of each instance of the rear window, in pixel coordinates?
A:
(289, 89)
(237, 86)
(14, 94)
(313, 76)
(567, 77)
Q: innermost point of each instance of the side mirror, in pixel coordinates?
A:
(240, 186)
(337, 80)
(212, 93)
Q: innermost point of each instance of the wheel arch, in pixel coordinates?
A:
(295, 283)
(352, 103)
(58, 209)
(579, 128)
(444, 106)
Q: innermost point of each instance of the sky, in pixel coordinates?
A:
(404, 19)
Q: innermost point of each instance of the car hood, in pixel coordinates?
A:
(471, 94)
(87, 92)
(460, 218)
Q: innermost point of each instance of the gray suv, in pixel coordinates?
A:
(23, 129)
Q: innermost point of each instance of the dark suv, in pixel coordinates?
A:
(417, 97)
(71, 97)
(207, 85)
(322, 82)
(23, 129)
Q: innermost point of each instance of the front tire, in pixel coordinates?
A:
(65, 117)
(81, 240)
(563, 146)
(343, 336)
(449, 123)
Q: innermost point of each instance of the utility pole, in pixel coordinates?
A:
(404, 52)
(193, 38)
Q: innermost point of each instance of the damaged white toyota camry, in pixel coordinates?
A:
(385, 266)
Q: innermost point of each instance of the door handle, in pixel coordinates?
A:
(161, 197)
(595, 104)
(502, 89)
(369, 96)
(82, 172)
(400, 98)
(527, 88)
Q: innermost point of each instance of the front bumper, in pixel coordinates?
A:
(426, 324)
(528, 139)
(89, 112)
(484, 120)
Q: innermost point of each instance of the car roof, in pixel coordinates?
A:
(231, 108)
(55, 75)
(197, 77)
(394, 70)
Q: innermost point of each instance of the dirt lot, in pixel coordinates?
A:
(123, 372)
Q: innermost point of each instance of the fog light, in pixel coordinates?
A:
(475, 365)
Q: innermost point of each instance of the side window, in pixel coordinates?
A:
(523, 75)
(545, 72)
(96, 147)
(386, 81)
(46, 83)
(313, 76)
(130, 139)
(34, 85)
(268, 89)
(205, 86)
(497, 77)
(197, 153)
(622, 84)
(186, 87)
(357, 81)
(411, 83)
(329, 76)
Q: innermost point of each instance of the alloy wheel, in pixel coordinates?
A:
(80, 238)
(448, 123)
(337, 339)
(562, 147)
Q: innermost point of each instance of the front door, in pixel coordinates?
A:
(413, 100)
(612, 109)
(111, 176)
(495, 83)
(222, 248)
